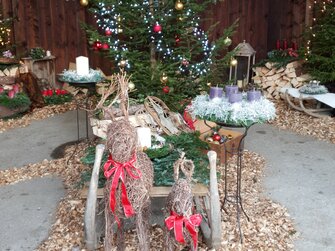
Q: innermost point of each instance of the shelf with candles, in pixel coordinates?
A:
(241, 109)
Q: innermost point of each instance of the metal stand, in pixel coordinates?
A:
(90, 91)
(235, 197)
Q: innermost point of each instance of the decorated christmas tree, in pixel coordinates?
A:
(320, 49)
(161, 44)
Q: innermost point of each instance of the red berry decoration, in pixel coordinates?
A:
(108, 32)
(216, 137)
(166, 89)
(157, 28)
(105, 46)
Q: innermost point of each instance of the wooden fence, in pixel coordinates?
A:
(55, 25)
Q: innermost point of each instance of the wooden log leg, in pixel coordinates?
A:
(120, 240)
(215, 212)
(142, 226)
(91, 202)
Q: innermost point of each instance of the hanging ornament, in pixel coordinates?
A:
(123, 63)
(209, 84)
(164, 79)
(157, 28)
(166, 89)
(108, 32)
(105, 46)
(131, 86)
(185, 62)
(216, 137)
(83, 2)
(179, 5)
(97, 45)
(227, 41)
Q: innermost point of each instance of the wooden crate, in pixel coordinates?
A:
(220, 149)
(43, 68)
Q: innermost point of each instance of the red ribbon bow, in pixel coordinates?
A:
(119, 170)
(177, 222)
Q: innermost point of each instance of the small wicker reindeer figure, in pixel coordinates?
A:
(179, 204)
(129, 176)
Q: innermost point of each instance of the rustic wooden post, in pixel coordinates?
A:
(214, 202)
(90, 210)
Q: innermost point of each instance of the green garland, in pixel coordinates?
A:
(20, 100)
(164, 158)
(194, 149)
(37, 53)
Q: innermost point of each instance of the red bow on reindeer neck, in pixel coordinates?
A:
(119, 170)
(177, 222)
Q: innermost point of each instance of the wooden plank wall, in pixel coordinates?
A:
(55, 26)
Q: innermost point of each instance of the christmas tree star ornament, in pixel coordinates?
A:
(227, 41)
(83, 2)
(179, 5)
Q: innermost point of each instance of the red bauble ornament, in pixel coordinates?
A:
(1, 90)
(105, 46)
(157, 28)
(166, 89)
(108, 32)
(97, 45)
(216, 137)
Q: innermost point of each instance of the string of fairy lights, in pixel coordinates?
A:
(4, 33)
(314, 20)
(109, 20)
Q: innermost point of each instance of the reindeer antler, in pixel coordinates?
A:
(123, 82)
(185, 165)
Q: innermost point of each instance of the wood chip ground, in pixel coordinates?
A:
(270, 226)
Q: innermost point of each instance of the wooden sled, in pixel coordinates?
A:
(328, 99)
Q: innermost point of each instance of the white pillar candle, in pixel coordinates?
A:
(144, 137)
(82, 66)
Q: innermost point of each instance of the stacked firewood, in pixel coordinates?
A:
(271, 78)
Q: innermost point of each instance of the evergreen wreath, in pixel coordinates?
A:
(240, 114)
(313, 87)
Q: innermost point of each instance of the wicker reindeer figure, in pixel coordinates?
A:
(181, 225)
(129, 176)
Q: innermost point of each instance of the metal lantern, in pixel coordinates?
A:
(245, 56)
